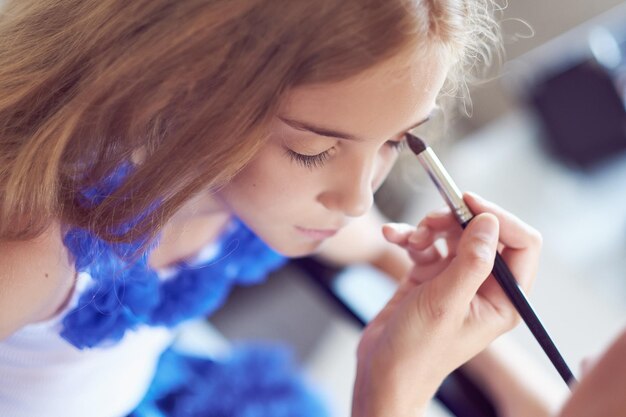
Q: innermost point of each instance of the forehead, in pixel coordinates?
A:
(378, 101)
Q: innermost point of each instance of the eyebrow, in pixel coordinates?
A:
(323, 131)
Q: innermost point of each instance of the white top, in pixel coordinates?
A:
(43, 375)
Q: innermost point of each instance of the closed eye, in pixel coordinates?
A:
(309, 161)
(398, 145)
(317, 161)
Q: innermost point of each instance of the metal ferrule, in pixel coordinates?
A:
(446, 186)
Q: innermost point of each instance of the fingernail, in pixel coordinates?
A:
(486, 226)
(400, 227)
(419, 235)
(484, 236)
(441, 212)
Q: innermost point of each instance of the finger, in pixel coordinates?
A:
(397, 233)
(442, 225)
(440, 219)
(491, 291)
(424, 238)
(460, 281)
(426, 246)
(402, 234)
(421, 238)
(406, 236)
(427, 256)
(427, 272)
(523, 265)
(522, 242)
(514, 233)
(452, 242)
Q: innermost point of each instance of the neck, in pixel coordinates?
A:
(198, 223)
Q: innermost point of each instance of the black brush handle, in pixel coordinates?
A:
(511, 288)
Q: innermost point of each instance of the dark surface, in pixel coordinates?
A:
(582, 113)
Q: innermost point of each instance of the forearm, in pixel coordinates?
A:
(514, 381)
(374, 396)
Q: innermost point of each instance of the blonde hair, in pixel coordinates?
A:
(194, 83)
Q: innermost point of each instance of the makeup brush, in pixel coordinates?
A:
(454, 199)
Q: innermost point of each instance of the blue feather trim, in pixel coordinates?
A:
(254, 381)
(124, 295)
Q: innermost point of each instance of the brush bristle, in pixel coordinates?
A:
(416, 144)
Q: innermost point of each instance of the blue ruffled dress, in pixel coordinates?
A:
(255, 381)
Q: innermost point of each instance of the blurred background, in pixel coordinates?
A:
(545, 140)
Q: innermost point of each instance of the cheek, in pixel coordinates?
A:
(269, 181)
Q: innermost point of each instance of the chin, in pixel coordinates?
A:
(285, 242)
(293, 250)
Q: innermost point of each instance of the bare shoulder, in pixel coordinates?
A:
(36, 277)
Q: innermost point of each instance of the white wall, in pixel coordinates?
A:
(548, 19)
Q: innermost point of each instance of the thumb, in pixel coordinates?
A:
(473, 262)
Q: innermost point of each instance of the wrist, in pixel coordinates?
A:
(385, 393)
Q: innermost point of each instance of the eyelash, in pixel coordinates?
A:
(317, 161)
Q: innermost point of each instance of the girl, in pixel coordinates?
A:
(155, 152)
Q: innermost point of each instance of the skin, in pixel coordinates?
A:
(444, 297)
(275, 194)
(600, 392)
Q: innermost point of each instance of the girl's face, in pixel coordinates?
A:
(331, 147)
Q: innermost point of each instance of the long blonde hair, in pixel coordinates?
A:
(85, 83)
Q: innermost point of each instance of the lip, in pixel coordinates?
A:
(317, 234)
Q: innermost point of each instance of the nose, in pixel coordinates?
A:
(351, 190)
